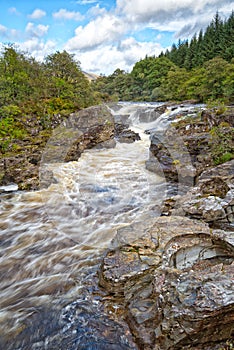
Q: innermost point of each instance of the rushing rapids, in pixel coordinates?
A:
(52, 239)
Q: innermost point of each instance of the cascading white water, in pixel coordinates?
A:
(51, 238)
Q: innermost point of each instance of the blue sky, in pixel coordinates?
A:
(107, 34)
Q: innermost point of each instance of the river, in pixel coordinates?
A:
(52, 239)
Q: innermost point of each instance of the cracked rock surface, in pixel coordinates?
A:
(175, 284)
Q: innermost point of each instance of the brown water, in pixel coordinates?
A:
(52, 240)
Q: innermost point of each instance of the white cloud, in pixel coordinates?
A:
(14, 34)
(37, 31)
(105, 59)
(107, 41)
(104, 29)
(3, 29)
(37, 14)
(142, 10)
(173, 15)
(96, 11)
(9, 34)
(38, 48)
(86, 2)
(68, 15)
(13, 11)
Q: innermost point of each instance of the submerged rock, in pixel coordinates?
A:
(81, 325)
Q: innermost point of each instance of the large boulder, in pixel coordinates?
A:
(82, 130)
(175, 284)
(191, 143)
(88, 128)
(212, 199)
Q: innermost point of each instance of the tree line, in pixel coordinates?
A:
(33, 95)
(200, 69)
(57, 84)
(34, 92)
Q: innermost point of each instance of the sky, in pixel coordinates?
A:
(104, 35)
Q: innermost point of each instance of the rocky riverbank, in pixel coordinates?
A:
(63, 141)
(66, 138)
(174, 286)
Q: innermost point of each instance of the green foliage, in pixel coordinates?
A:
(27, 84)
(9, 111)
(141, 84)
(34, 95)
(224, 158)
(218, 106)
(173, 86)
(8, 128)
(149, 73)
(4, 145)
(205, 84)
(202, 69)
(217, 40)
(222, 145)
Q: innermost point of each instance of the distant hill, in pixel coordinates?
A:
(91, 76)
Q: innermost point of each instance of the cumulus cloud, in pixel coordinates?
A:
(38, 48)
(96, 11)
(68, 15)
(171, 15)
(9, 34)
(37, 14)
(37, 31)
(107, 41)
(103, 29)
(142, 11)
(106, 59)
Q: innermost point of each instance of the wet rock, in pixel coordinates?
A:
(122, 132)
(21, 171)
(168, 153)
(196, 306)
(190, 144)
(224, 171)
(151, 115)
(213, 117)
(120, 127)
(212, 199)
(106, 144)
(215, 186)
(128, 136)
(81, 325)
(96, 125)
(85, 129)
(175, 284)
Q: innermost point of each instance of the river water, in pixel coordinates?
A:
(52, 240)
